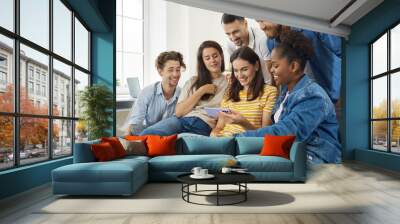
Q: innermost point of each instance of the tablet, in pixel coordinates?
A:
(213, 111)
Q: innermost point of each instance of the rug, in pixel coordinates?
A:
(167, 198)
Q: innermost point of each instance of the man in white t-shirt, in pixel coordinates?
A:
(241, 34)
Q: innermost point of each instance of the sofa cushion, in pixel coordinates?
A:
(257, 163)
(116, 145)
(277, 145)
(161, 145)
(112, 171)
(198, 145)
(103, 152)
(185, 163)
(249, 145)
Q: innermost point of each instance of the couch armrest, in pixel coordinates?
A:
(83, 152)
(299, 159)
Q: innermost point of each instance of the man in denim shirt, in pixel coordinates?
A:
(303, 108)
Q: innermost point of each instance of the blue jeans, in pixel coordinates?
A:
(175, 125)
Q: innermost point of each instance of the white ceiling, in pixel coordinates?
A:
(318, 15)
(321, 9)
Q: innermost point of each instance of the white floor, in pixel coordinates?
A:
(378, 189)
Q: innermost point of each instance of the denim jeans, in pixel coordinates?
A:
(175, 125)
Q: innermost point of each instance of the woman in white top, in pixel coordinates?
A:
(204, 90)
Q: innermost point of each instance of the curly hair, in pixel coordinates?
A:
(169, 56)
(294, 46)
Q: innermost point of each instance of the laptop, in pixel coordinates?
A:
(133, 86)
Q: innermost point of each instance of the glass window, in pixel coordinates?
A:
(133, 8)
(81, 81)
(379, 56)
(7, 75)
(40, 62)
(62, 138)
(395, 47)
(81, 45)
(379, 135)
(81, 131)
(62, 29)
(132, 35)
(6, 142)
(395, 136)
(34, 145)
(379, 99)
(62, 72)
(30, 72)
(35, 21)
(132, 66)
(7, 14)
(34, 79)
(119, 33)
(30, 87)
(395, 95)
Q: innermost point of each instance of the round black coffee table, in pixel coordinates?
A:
(238, 179)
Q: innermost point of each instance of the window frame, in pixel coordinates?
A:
(16, 114)
(388, 74)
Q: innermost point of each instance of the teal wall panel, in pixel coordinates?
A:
(24, 178)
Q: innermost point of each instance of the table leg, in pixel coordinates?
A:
(217, 194)
(245, 191)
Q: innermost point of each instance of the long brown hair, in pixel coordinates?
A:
(203, 74)
(256, 87)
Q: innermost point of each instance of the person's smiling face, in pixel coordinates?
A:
(212, 59)
(244, 71)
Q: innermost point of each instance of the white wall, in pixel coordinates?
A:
(181, 28)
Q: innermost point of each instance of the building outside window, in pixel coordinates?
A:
(385, 94)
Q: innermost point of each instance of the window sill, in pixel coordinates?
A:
(26, 167)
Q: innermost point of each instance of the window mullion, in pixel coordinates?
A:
(16, 84)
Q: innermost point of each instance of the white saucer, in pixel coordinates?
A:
(208, 176)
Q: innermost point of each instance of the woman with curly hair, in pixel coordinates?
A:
(303, 109)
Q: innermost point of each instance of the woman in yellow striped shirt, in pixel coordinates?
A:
(249, 100)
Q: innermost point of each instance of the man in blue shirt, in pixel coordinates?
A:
(157, 101)
(325, 66)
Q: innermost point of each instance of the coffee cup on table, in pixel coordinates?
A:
(226, 170)
(203, 172)
(196, 171)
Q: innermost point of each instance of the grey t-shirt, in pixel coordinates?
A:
(215, 101)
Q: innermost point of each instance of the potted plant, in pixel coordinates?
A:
(96, 102)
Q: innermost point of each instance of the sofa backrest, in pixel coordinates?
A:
(249, 145)
(83, 152)
(194, 145)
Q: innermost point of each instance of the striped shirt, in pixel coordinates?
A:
(251, 110)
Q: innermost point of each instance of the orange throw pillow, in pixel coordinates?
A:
(277, 145)
(103, 152)
(161, 145)
(136, 137)
(116, 145)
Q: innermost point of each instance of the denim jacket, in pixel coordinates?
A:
(309, 114)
